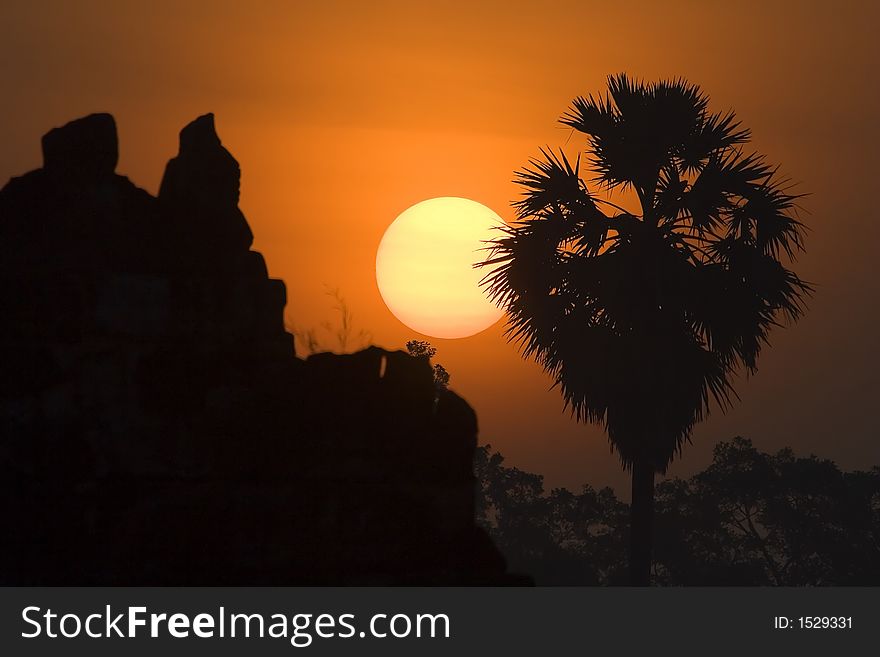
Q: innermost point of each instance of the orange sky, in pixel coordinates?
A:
(344, 114)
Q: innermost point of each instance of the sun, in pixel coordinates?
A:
(425, 267)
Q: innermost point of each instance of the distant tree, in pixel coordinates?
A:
(560, 538)
(423, 349)
(756, 518)
(643, 315)
(750, 518)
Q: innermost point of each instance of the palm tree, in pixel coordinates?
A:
(642, 316)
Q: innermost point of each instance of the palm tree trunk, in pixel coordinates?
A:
(641, 524)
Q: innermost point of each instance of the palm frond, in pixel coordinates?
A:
(715, 133)
(590, 115)
(549, 183)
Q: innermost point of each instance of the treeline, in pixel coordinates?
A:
(750, 518)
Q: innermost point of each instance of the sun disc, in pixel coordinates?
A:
(425, 267)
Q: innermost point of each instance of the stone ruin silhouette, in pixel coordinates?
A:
(156, 426)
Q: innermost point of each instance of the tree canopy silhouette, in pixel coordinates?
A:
(643, 315)
(749, 519)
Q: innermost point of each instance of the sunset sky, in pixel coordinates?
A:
(342, 115)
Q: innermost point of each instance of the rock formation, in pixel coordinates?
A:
(200, 191)
(155, 424)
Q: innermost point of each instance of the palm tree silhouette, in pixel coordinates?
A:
(642, 316)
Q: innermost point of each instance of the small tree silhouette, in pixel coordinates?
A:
(421, 348)
(642, 316)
